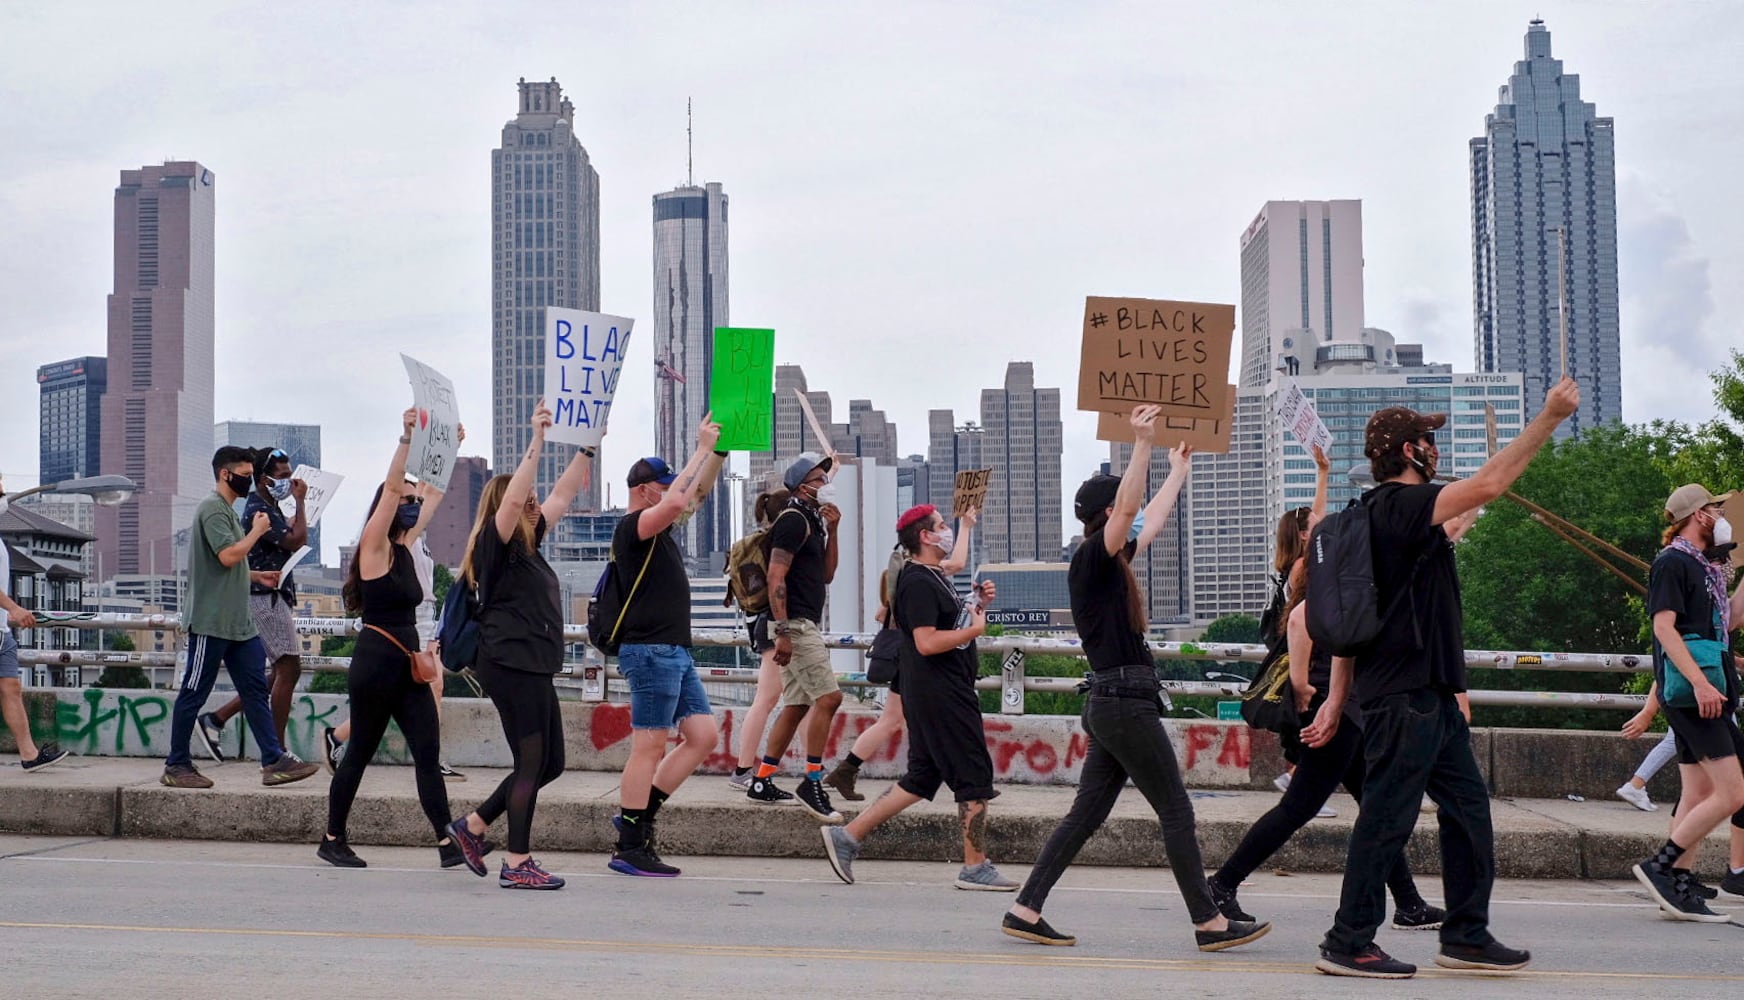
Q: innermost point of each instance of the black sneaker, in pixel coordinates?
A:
(763, 790)
(1492, 957)
(815, 800)
(453, 857)
(640, 860)
(1370, 963)
(1661, 885)
(1687, 904)
(1733, 884)
(1693, 883)
(1039, 931)
(1227, 903)
(47, 755)
(1238, 933)
(339, 854)
(1420, 917)
(332, 751)
(210, 732)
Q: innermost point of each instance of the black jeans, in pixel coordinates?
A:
(1319, 771)
(533, 724)
(381, 687)
(1127, 739)
(1415, 743)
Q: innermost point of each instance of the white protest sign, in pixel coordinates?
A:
(435, 435)
(584, 354)
(1296, 411)
(322, 485)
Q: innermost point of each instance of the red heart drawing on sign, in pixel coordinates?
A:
(423, 418)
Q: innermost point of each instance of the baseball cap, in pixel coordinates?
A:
(650, 470)
(1394, 426)
(803, 466)
(1689, 498)
(920, 512)
(1095, 496)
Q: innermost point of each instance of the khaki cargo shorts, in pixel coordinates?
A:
(807, 676)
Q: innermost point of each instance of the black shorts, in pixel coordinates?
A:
(1700, 739)
(947, 746)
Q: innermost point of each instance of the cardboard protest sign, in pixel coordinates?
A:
(971, 491)
(322, 486)
(1207, 434)
(1490, 431)
(1296, 412)
(1137, 351)
(435, 437)
(742, 388)
(1735, 514)
(584, 355)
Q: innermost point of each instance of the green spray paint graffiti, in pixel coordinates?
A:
(124, 723)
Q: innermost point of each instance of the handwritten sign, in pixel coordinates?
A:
(322, 485)
(742, 388)
(1735, 514)
(1211, 435)
(971, 491)
(584, 354)
(435, 437)
(1137, 351)
(1296, 412)
(1490, 429)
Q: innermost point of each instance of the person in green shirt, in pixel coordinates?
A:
(221, 630)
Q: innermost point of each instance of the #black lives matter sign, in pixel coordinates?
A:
(1159, 352)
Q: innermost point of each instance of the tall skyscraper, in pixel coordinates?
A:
(301, 444)
(544, 252)
(452, 525)
(72, 418)
(1546, 162)
(1023, 442)
(157, 412)
(1230, 550)
(1301, 284)
(954, 448)
(867, 434)
(690, 301)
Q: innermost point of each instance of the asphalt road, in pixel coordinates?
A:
(134, 919)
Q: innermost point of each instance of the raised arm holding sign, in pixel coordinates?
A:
(1151, 351)
(320, 486)
(435, 436)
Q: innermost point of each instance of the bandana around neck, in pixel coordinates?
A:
(1716, 574)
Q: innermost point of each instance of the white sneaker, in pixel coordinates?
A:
(1282, 782)
(1326, 812)
(1636, 797)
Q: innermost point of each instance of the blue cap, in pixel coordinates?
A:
(651, 470)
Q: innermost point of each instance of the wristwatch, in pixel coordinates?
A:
(779, 628)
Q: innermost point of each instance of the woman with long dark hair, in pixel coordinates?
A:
(1123, 717)
(520, 649)
(382, 588)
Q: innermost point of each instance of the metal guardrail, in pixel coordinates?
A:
(1012, 681)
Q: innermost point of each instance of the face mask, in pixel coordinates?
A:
(407, 516)
(239, 485)
(1722, 531)
(826, 494)
(278, 489)
(947, 540)
(1133, 532)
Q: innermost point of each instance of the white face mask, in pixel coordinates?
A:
(826, 494)
(946, 541)
(1722, 531)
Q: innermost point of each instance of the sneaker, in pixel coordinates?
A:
(1238, 933)
(472, 847)
(1733, 884)
(453, 857)
(449, 773)
(286, 769)
(1694, 902)
(210, 733)
(1693, 883)
(1492, 957)
(640, 860)
(1673, 895)
(763, 790)
(527, 875)
(1227, 903)
(816, 801)
(842, 780)
(1421, 917)
(984, 878)
(1370, 963)
(185, 776)
(339, 854)
(650, 833)
(1325, 812)
(1636, 797)
(47, 755)
(1039, 931)
(740, 781)
(333, 751)
(841, 848)
(1282, 782)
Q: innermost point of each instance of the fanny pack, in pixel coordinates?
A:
(1710, 654)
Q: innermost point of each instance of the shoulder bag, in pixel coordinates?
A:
(425, 669)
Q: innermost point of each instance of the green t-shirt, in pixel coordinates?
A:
(217, 594)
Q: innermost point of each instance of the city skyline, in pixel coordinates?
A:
(339, 266)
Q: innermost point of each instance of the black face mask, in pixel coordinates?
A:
(239, 484)
(407, 516)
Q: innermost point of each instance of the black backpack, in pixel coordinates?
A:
(457, 630)
(1344, 612)
(610, 602)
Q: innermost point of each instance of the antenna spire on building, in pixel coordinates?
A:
(689, 147)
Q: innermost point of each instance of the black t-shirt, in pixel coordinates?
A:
(520, 604)
(1422, 643)
(798, 530)
(1098, 585)
(1678, 582)
(659, 611)
(923, 598)
(268, 555)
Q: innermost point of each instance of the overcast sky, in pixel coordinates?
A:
(920, 193)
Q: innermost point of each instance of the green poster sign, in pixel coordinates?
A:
(742, 388)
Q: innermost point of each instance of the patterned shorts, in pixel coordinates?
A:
(278, 631)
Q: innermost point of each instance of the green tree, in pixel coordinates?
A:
(440, 580)
(338, 645)
(328, 682)
(120, 642)
(1241, 629)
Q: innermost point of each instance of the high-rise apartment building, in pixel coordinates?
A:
(952, 449)
(157, 411)
(1545, 164)
(451, 525)
(72, 418)
(690, 301)
(1023, 442)
(301, 444)
(544, 252)
(1301, 284)
(867, 434)
(1230, 550)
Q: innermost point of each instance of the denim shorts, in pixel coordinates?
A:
(8, 654)
(664, 686)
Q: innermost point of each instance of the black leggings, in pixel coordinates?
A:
(1127, 738)
(382, 689)
(533, 725)
(1319, 770)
